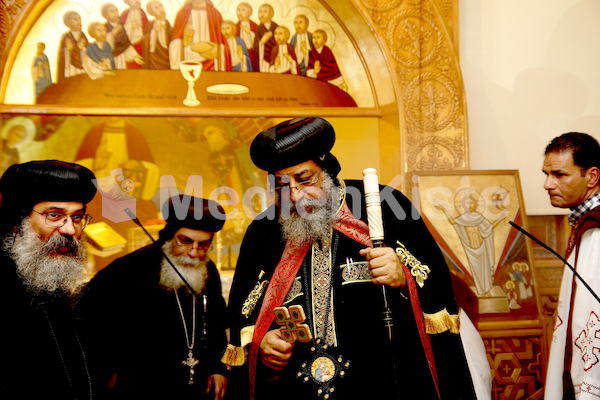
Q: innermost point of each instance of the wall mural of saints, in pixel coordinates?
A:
(97, 38)
(468, 213)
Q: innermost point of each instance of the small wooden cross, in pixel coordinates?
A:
(191, 362)
(291, 320)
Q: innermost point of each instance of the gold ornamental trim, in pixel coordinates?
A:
(422, 42)
(417, 269)
(441, 321)
(254, 296)
(234, 356)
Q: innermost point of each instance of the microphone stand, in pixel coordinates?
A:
(203, 301)
(204, 324)
(545, 246)
(131, 215)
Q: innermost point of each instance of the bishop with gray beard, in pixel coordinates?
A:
(58, 265)
(139, 306)
(308, 219)
(193, 270)
(310, 251)
(43, 266)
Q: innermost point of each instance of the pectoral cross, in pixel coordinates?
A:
(291, 327)
(191, 362)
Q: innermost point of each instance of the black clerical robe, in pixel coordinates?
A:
(41, 355)
(357, 313)
(138, 332)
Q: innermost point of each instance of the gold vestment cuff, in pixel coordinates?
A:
(441, 321)
(246, 335)
(234, 356)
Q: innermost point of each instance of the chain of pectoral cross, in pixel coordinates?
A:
(190, 361)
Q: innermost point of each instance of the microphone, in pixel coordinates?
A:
(131, 215)
(545, 246)
(204, 322)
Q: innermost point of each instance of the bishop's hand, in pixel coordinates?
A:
(218, 384)
(274, 351)
(385, 266)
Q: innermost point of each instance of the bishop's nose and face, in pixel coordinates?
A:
(566, 183)
(301, 181)
(192, 243)
(52, 210)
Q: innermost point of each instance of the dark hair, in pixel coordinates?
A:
(178, 211)
(167, 233)
(293, 142)
(583, 147)
(22, 186)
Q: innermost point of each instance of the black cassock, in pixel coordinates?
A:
(357, 314)
(41, 354)
(137, 330)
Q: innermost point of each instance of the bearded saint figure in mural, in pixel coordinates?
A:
(230, 157)
(230, 161)
(116, 147)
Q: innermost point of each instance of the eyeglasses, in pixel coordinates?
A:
(187, 244)
(300, 184)
(58, 220)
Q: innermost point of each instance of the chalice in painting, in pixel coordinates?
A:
(191, 72)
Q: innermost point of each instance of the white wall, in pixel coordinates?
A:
(531, 71)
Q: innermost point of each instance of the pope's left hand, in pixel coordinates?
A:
(385, 266)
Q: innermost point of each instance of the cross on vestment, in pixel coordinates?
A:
(291, 320)
(191, 362)
(588, 341)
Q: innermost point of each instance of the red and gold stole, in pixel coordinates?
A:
(287, 269)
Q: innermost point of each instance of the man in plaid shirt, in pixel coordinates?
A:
(572, 168)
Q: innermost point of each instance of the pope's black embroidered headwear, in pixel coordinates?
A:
(22, 186)
(293, 142)
(185, 211)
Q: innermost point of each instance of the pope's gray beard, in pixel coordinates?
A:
(41, 264)
(310, 219)
(193, 270)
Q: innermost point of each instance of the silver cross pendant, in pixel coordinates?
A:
(191, 362)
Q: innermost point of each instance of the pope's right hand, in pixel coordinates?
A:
(274, 351)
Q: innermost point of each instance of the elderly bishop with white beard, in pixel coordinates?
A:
(155, 336)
